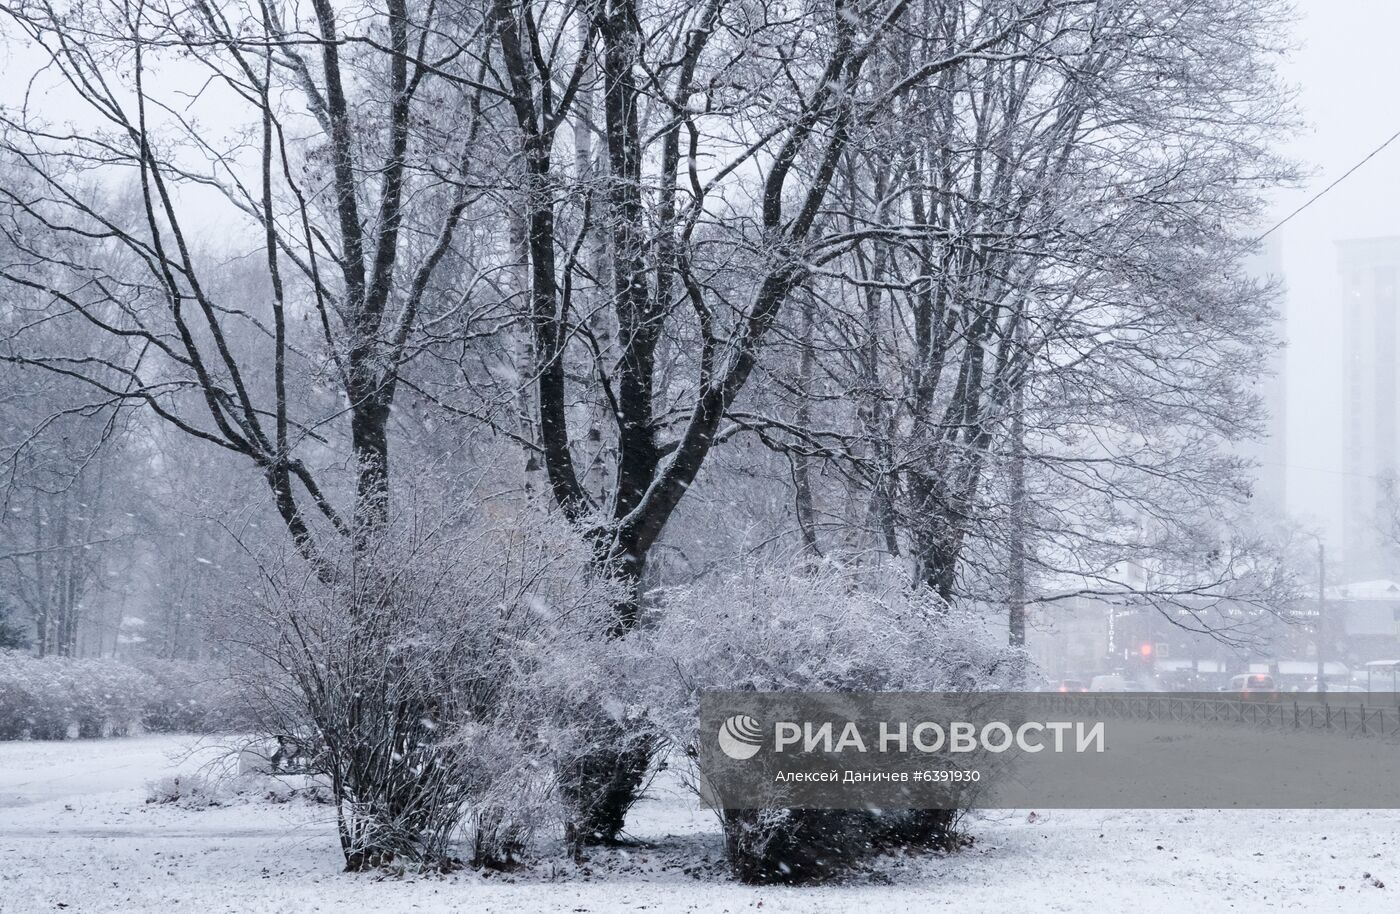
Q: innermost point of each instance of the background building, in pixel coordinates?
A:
(1371, 379)
(1363, 621)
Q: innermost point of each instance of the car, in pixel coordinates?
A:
(1111, 682)
(1253, 686)
(1070, 685)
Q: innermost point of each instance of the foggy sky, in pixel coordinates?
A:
(1348, 73)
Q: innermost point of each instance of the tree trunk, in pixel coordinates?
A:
(1016, 572)
(801, 463)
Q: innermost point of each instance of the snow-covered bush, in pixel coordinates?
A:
(768, 629)
(203, 789)
(773, 630)
(37, 696)
(258, 787)
(16, 694)
(185, 697)
(188, 791)
(108, 697)
(434, 669)
(50, 697)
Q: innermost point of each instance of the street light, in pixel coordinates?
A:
(1321, 613)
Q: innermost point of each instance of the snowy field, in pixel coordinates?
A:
(76, 835)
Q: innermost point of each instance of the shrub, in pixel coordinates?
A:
(766, 629)
(51, 697)
(201, 791)
(51, 686)
(108, 697)
(16, 694)
(184, 697)
(188, 791)
(435, 669)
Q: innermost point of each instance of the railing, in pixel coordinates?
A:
(1350, 714)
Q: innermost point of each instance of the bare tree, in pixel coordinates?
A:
(63, 518)
(724, 129)
(977, 261)
(331, 148)
(1047, 337)
(349, 186)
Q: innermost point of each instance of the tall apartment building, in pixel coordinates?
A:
(1371, 390)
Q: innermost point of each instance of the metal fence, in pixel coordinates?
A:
(1372, 714)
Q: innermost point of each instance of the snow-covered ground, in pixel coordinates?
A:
(77, 836)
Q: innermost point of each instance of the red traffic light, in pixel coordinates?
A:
(1146, 650)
